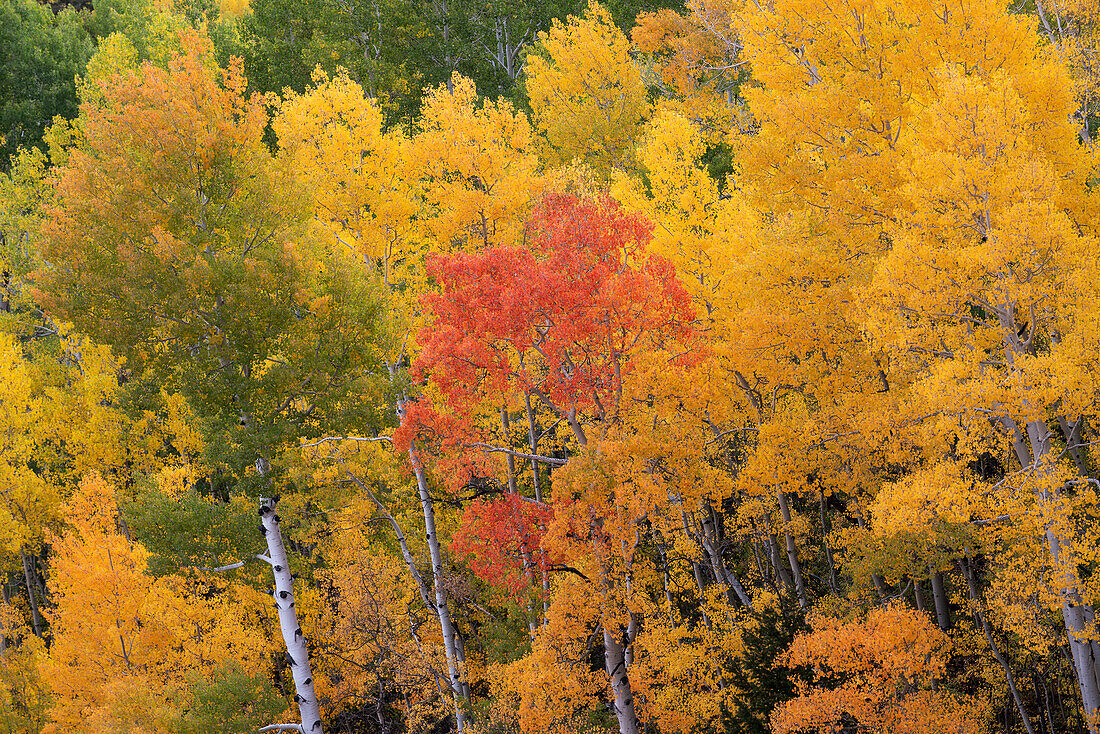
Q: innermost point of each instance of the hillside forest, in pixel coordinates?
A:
(496, 367)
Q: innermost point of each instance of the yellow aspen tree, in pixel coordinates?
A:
(1074, 27)
(986, 294)
(357, 175)
(180, 239)
(333, 136)
(477, 169)
(587, 94)
(125, 643)
(56, 403)
(697, 62)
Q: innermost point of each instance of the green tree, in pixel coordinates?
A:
(42, 55)
(178, 241)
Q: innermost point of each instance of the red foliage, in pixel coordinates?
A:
(501, 537)
(559, 322)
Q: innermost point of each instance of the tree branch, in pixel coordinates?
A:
(238, 564)
(366, 439)
(534, 457)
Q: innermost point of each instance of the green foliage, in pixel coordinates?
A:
(131, 18)
(505, 636)
(218, 287)
(230, 700)
(41, 56)
(25, 698)
(191, 530)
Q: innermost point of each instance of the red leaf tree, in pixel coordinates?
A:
(552, 326)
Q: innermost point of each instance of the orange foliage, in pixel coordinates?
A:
(887, 667)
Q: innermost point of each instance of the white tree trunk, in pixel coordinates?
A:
(939, 596)
(792, 551)
(28, 575)
(614, 658)
(446, 626)
(1032, 448)
(296, 648)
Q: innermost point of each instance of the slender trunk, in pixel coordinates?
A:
(524, 551)
(666, 580)
(508, 442)
(939, 596)
(708, 541)
(614, 651)
(700, 583)
(792, 551)
(5, 285)
(757, 554)
(968, 572)
(1079, 617)
(3, 630)
(918, 595)
(880, 587)
(1073, 439)
(575, 423)
(634, 625)
(782, 578)
(297, 651)
(1039, 680)
(1032, 448)
(533, 438)
(614, 658)
(450, 643)
(420, 648)
(826, 528)
(545, 587)
(28, 576)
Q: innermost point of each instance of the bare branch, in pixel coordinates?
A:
(366, 439)
(534, 457)
(238, 564)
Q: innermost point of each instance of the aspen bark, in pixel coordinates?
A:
(665, 581)
(446, 626)
(3, 630)
(782, 577)
(525, 551)
(615, 655)
(968, 572)
(508, 442)
(1032, 448)
(700, 583)
(614, 658)
(939, 597)
(735, 591)
(792, 552)
(1072, 432)
(28, 576)
(533, 438)
(826, 528)
(441, 608)
(296, 648)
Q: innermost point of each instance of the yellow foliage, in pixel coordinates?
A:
(586, 93)
(124, 642)
(478, 168)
